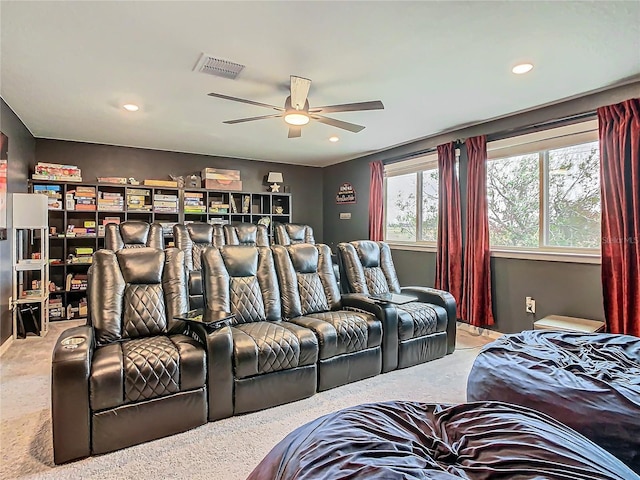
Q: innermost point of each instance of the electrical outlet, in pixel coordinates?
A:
(530, 305)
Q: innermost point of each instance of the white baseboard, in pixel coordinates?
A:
(482, 332)
(5, 346)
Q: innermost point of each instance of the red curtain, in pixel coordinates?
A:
(449, 255)
(619, 128)
(476, 280)
(375, 201)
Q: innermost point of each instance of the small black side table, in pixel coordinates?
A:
(210, 319)
(395, 298)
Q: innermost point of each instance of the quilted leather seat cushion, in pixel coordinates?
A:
(417, 319)
(145, 368)
(342, 331)
(265, 347)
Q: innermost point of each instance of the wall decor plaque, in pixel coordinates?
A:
(346, 194)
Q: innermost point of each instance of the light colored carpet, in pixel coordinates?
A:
(225, 450)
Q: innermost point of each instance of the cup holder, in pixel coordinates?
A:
(72, 343)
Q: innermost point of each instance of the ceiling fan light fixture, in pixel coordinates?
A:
(130, 107)
(296, 118)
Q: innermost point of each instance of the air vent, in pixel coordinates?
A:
(218, 67)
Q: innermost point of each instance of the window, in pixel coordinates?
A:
(549, 196)
(411, 201)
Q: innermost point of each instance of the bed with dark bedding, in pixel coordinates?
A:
(590, 382)
(411, 440)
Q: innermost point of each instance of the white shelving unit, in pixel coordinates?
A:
(30, 260)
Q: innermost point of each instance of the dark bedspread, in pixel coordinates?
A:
(590, 382)
(410, 440)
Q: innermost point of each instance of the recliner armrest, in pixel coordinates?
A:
(219, 345)
(443, 299)
(388, 315)
(70, 408)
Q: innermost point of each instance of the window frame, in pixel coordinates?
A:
(417, 166)
(541, 143)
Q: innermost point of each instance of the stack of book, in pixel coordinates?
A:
(194, 202)
(217, 206)
(53, 193)
(56, 171)
(110, 202)
(165, 203)
(82, 199)
(137, 199)
(88, 229)
(56, 309)
(76, 282)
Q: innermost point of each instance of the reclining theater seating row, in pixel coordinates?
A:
(141, 375)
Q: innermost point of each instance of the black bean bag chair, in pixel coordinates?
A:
(411, 440)
(590, 382)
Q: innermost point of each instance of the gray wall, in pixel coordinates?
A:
(558, 288)
(105, 160)
(21, 154)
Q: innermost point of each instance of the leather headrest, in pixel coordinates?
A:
(296, 232)
(247, 233)
(141, 265)
(134, 232)
(200, 232)
(241, 261)
(304, 257)
(369, 253)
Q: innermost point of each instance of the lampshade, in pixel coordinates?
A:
(275, 177)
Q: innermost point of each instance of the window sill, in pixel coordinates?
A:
(416, 247)
(566, 257)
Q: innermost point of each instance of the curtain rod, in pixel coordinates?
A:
(559, 122)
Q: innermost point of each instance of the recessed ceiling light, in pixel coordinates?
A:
(333, 139)
(522, 68)
(131, 107)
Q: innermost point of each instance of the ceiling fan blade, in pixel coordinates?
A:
(299, 91)
(295, 132)
(349, 107)
(242, 100)
(251, 119)
(352, 127)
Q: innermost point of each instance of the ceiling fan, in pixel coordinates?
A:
(296, 111)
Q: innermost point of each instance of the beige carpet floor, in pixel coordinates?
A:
(225, 450)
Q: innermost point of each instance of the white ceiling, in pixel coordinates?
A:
(67, 67)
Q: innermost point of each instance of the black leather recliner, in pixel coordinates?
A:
(129, 375)
(426, 328)
(192, 239)
(292, 233)
(349, 341)
(133, 234)
(246, 234)
(260, 361)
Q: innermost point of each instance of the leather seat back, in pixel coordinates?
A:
(293, 233)
(242, 280)
(366, 267)
(136, 292)
(194, 237)
(133, 234)
(306, 278)
(246, 234)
